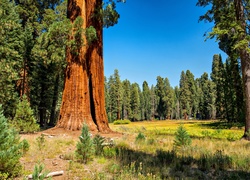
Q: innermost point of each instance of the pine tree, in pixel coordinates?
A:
(84, 147)
(182, 138)
(126, 106)
(10, 149)
(161, 93)
(218, 78)
(135, 102)
(24, 120)
(146, 99)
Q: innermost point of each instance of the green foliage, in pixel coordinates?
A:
(85, 146)
(40, 140)
(11, 55)
(25, 146)
(10, 149)
(182, 138)
(39, 173)
(140, 137)
(24, 120)
(125, 121)
(98, 141)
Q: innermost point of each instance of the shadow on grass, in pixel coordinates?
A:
(168, 165)
(221, 125)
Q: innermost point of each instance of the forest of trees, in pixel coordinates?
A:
(215, 96)
(33, 40)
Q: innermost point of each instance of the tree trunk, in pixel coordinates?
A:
(245, 64)
(83, 98)
(54, 101)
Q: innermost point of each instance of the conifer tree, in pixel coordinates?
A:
(161, 93)
(84, 147)
(24, 120)
(135, 102)
(126, 106)
(146, 99)
(231, 29)
(11, 55)
(218, 78)
(10, 148)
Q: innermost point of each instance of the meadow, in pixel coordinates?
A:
(145, 150)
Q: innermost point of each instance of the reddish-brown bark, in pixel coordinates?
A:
(83, 98)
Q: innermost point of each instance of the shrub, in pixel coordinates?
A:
(10, 149)
(25, 146)
(84, 147)
(140, 137)
(40, 140)
(98, 144)
(125, 121)
(24, 120)
(39, 173)
(182, 138)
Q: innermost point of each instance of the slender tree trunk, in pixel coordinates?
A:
(83, 98)
(54, 101)
(245, 64)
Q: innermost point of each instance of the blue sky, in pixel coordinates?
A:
(158, 38)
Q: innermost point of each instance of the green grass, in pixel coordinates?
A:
(197, 129)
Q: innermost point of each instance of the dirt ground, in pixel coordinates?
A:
(58, 163)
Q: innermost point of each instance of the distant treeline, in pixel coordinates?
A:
(218, 96)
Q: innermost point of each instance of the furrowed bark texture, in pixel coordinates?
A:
(83, 98)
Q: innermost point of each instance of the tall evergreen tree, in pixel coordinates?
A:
(185, 96)
(146, 99)
(49, 55)
(11, 55)
(153, 102)
(217, 76)
(83, 95)
(161, 93)
(126, 106)
(135, 102)
(231, 19)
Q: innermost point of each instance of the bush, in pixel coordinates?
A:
(25, 146)
(140, 137)
(125, 121)
(98, 144)
(24, 120)
(39, 173)
(10, 149)
(84, 148)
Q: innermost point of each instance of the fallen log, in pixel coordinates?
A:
(56, 173)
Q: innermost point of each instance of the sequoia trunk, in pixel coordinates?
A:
(83, 98)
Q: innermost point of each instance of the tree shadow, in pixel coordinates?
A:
(222, 125)
(169, 165)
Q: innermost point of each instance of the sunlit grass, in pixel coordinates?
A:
(195, 128)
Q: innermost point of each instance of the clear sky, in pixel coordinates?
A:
(158, 38)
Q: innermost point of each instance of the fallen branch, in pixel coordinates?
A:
(56, 173)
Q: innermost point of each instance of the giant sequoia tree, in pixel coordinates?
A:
(83, 96)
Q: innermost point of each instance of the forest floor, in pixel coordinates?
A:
(58, 143)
